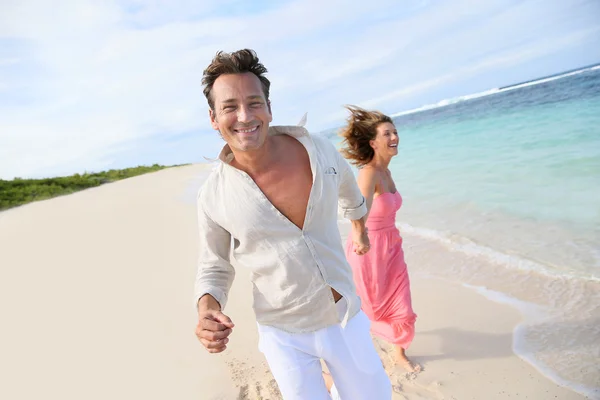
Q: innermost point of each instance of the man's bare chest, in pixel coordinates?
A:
(288, 191)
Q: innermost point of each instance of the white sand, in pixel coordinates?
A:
(96, 303)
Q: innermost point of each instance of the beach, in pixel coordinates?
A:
(96, 294)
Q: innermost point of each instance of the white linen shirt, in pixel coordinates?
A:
(292, 269)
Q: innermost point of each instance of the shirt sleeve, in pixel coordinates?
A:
(215, 273)
(351, 200)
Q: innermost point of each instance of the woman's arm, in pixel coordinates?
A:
(367, 182)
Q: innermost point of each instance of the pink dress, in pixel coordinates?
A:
(381, 276)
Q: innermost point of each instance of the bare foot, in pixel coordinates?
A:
(328, 381)
(405, 363)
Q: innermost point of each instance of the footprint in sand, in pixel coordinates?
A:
(264, 387)
(405, 383)
(274, 390)
(243, 394)
(389, 362)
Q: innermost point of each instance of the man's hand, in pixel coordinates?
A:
(360, 237)
(214, 327)
(361, 242)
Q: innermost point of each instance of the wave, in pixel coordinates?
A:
(493, 91)
(470, 247)
(532, 314)
(543, 320)
(447, 102)
(553, 77)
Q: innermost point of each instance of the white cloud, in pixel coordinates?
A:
(515, 56)
(88, 80)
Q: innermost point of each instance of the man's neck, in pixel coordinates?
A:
(256, 161)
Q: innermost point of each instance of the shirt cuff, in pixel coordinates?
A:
(219, 295)
(357, 212)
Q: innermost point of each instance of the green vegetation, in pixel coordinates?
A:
(22, 191)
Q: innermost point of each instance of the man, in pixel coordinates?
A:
(272, 204)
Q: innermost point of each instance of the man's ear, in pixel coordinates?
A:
(213, 119)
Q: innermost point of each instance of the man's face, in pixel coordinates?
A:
(241, 113)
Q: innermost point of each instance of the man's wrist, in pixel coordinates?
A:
(358, 225)
(208, 302)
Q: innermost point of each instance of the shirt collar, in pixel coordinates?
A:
(226, 156)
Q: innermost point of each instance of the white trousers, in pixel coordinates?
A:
(349, 354)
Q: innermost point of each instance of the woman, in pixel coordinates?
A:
(370, 140)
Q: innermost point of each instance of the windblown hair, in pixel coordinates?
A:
(238, 62)
(360, 129)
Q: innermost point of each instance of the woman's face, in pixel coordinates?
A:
(386, 141)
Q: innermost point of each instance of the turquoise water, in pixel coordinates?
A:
(530, 154)
(540, 162)
(510, 178)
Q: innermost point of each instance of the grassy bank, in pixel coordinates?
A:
(22, 191)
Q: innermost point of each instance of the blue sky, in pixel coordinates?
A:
(91, 85)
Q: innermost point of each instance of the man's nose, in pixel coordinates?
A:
(244, 114)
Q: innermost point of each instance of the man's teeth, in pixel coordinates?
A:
(247, 130)
(393, 145)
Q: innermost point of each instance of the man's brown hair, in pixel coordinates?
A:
(360, 129)
(238, 62)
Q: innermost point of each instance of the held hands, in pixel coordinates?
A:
(360, 238)
(214, 327)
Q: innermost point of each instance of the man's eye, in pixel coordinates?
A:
(257, 104)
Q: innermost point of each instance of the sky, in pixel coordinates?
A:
(92, 85)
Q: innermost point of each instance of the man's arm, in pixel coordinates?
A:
(354, 206)
(213, 281)
(351, 200)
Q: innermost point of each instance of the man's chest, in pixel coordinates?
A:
(288, 190)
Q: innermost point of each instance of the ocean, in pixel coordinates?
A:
(510, 177)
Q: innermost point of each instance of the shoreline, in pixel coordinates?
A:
(532, 313)
(557, 326)
(432, 260)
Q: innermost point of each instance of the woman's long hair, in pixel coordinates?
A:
(360, 129)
